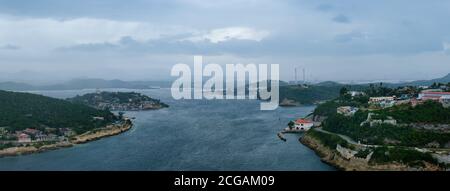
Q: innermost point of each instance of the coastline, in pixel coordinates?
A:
(332, 158)
(89, 136)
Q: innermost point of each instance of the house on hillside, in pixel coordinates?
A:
(32, 132)
(347, 110)
(441, 97)
(356, 93)
(383, 102)
(23, 138)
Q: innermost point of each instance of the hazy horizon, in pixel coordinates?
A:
(46, 82)
(47, 41)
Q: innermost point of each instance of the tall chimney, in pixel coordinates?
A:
(304, 76)
(295, 75)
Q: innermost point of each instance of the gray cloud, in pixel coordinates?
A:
(348, 37)
(9, 47)
(324, 7)
(325, 35)
(171, 45)
(341, 19)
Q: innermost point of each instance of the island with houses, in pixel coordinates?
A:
(119, 101)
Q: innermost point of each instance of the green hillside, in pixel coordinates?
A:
(24, 110)
(311, 94)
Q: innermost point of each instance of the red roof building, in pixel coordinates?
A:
(304, 121)
(23, 138)
(303, 124)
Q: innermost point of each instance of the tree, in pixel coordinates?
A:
(291, 124)
(343, 91)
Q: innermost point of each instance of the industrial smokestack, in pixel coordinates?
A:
(304, 76)
(295, 75)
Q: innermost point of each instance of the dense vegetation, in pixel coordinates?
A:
(396, 140)
(310, 94)
(428, 112)
(328, 140)
(24, 110)
(363, 153)
(406, 156)
(328, 108)
(386, 134)
(381, 155)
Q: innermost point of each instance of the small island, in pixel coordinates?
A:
(31, 123)
(381, 128)
(119, 101)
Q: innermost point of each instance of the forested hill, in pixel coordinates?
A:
(24, 110)
(310, 94)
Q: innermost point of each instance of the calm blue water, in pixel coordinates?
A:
(190, 135)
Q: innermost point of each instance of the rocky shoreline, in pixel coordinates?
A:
(332, 158)
(89, 136)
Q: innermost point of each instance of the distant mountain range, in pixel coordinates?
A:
(86, 84)
(445, 79)
(77, 84)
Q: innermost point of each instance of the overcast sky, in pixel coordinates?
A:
(342, 40)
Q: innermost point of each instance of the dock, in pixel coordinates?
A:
(280, 135)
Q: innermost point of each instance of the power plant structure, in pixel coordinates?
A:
(296, 80)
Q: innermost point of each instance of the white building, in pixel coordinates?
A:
(303, 125)
(434, 95)
(383, 102)
(381, 99)
(356, 93)
(442, 97)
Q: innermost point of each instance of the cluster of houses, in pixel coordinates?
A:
(143, 105)
(426, 95)
(31, 135)
(388, 101)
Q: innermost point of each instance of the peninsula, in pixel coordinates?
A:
(32, 123)
(118, 101)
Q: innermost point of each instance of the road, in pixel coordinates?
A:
(345, 137)
(351, 141)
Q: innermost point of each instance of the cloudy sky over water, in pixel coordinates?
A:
(348, 40)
